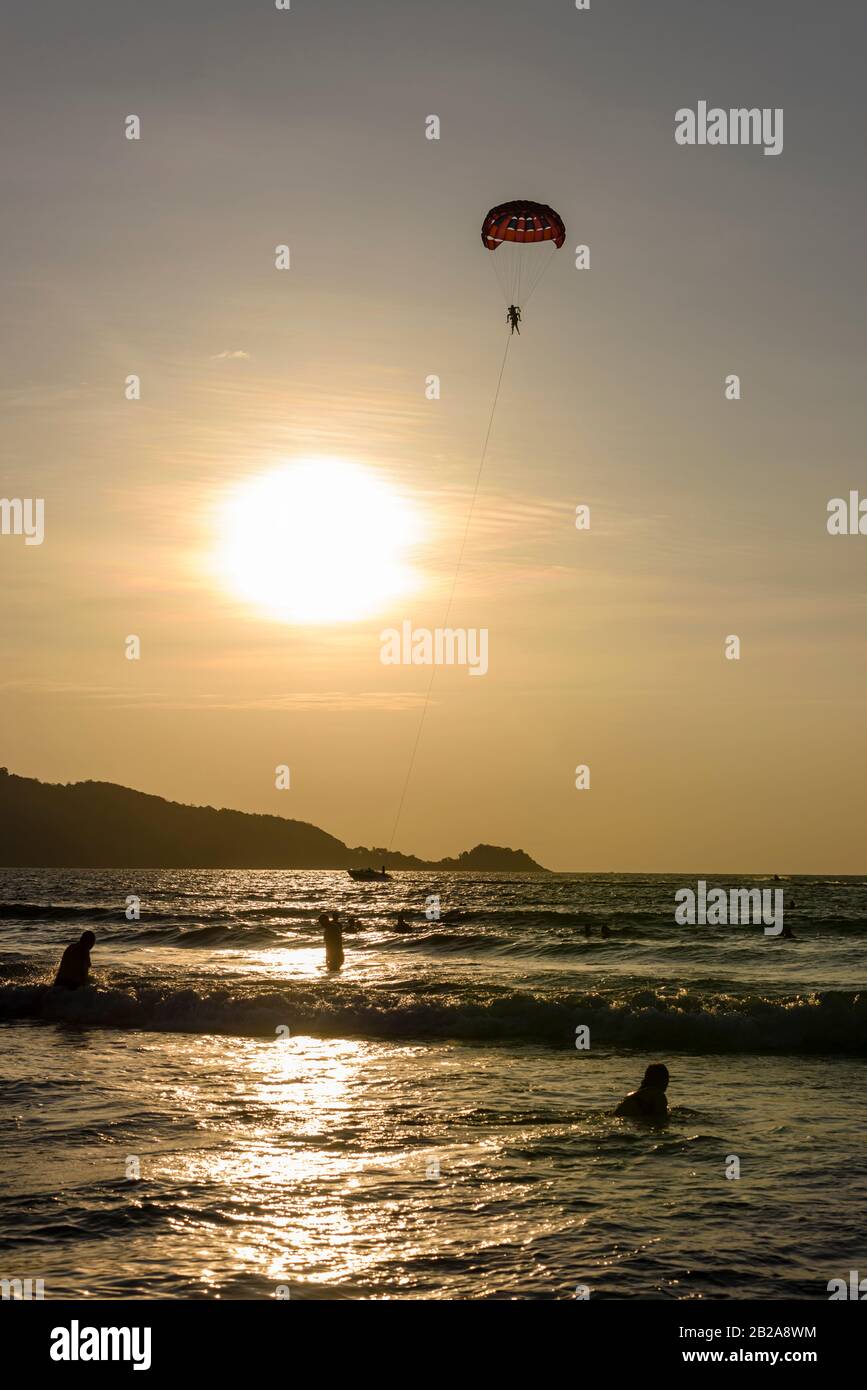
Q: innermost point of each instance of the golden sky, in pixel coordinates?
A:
(156, 257)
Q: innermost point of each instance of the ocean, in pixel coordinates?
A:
(220, 1117)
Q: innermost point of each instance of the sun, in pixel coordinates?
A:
(321, 540)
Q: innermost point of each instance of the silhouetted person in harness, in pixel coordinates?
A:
(513, 316)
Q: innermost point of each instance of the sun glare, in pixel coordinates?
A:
(318, 541)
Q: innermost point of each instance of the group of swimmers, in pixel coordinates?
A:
(333, 929)
(74, 968)
(649, 1102)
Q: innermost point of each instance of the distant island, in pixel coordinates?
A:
(99, 825)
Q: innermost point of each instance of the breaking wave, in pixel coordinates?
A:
(686, 1021)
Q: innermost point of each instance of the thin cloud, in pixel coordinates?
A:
(116, 698)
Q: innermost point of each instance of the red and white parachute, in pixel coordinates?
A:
(519, 232)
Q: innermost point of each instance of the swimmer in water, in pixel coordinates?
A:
(649, 1101)
(75, 962)
(333, 934)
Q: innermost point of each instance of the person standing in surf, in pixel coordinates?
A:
(333, 934)
(75, 962)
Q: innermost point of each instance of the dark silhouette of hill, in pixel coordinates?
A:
(84, 825)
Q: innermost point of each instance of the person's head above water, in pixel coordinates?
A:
(87, 940)
(656, 1075)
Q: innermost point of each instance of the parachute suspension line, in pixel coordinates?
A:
(508, 264)
(537, 278)
(521, 267)
(510, 267)
(506, 269)
(475, 494)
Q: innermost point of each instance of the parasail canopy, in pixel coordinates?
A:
(522, 221)
(513, 229)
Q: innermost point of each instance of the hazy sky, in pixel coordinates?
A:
(708, 516)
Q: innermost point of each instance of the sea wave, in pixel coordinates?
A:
(533, 931)
(56, 912)
(687, 1021)
(201, 912)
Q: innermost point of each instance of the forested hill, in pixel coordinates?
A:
(102, 825)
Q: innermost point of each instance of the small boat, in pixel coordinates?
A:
(368, 875)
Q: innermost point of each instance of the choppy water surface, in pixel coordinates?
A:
(422, 1125)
